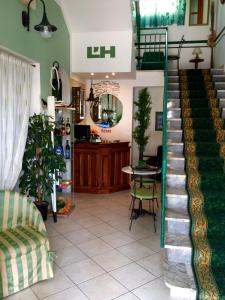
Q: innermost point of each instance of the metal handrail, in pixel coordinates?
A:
(220, 39)
(164, 156)
(138, 25)
(220, 33)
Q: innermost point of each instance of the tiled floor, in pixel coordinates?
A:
(98, 258)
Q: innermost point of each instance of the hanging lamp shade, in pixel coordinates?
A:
(45, 28)
(91, 97)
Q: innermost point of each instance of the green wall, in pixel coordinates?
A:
(30, 44)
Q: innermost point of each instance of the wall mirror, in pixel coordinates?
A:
(107, 112)
(199, 12)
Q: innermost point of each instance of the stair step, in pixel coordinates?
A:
(219, 78)
(174, 135)
(172, 79)
(177, 199)
(223, 113)
(220, 85)
(217, 71)
(174, 123)
(173, 103)
(177, 222)
(221, 93)
(177, 147)
(173, 113)
(176, 178)
(174, 94)
(222, 102)
(179, 277)
(175, 161)
(173, 72)
(173, 86)
(178, 248)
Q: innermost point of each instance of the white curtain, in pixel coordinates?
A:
(15, 95)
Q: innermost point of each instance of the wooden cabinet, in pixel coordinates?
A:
(97, 167)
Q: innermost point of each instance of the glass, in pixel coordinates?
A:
(107, 112)
(199, 12)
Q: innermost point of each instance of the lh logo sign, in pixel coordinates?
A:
(101, 52)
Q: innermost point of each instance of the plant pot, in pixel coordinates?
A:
(43, 208)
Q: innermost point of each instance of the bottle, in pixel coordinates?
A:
(67, 150)
(68, 127)
(63, 127)
(59, 150)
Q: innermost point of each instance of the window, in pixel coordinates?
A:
(199, 12)
(156, 13)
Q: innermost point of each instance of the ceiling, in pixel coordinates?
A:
(97, 15)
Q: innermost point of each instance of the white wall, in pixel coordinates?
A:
(123, 40)
(190, 33)
(219, 57)
(123, 130)
(155, 137)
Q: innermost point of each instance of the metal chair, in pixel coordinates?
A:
(177, 56)
(143, 189)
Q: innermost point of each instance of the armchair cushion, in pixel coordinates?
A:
(24, 247)
(18, 241)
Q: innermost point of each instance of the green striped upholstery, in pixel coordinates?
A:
(24, 248)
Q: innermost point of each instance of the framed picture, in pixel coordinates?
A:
(159, 121)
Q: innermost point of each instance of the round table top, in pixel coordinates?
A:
(196, 60)
(144, 172)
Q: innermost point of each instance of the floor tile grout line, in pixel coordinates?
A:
(117, 230)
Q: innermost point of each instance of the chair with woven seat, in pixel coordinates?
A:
(143, 189)
(173, 57)
(24, 247)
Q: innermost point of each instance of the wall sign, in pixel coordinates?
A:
(101, 52)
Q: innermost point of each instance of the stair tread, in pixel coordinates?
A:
(171, 191)
(179, 275)
(175, 172)
(175, 143)
(175, 155)
(179, 216)
(174, 109)
(174, 130)
(176, 240)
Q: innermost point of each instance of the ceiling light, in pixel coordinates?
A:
(113, 73)
(106, 76)
(92, 74)
(45, 28)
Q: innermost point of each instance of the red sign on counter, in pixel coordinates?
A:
(106, 130)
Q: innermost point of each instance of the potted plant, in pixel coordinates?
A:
(142, 116)
(40, 162)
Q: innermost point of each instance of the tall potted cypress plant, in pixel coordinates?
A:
(142, 116)
(40, 162)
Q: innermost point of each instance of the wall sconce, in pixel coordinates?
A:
(45, 28)
(197, 51)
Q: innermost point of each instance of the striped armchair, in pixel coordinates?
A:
(24, 247)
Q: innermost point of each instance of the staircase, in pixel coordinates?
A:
(178, 272)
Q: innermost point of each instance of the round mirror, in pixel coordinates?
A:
(107, 112)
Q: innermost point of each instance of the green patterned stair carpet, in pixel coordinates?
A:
(204, 157)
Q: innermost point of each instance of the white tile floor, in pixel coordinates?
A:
(98, 258)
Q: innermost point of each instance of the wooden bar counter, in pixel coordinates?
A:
(97, 167)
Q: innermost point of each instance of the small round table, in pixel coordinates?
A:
(142, 172)
(196, 61)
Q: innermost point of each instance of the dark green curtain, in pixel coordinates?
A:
(158, 18)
